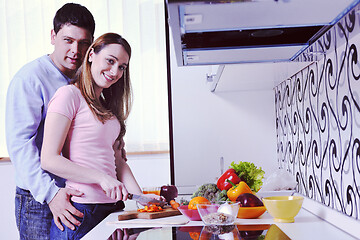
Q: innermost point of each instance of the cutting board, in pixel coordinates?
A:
(167, 212)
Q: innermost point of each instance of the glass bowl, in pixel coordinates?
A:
(191, 214)
(151, 190)
(222, 213)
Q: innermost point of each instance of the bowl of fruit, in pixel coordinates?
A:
(250, 206)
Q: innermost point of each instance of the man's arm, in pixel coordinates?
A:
(24, 135)
(24, 111)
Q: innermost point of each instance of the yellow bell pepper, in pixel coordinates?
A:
(237, 190)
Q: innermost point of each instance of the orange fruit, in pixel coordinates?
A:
(197, 200)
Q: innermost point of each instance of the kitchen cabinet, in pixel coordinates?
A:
(251, 76)
(218, 32)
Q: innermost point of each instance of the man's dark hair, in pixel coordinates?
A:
(74, 14)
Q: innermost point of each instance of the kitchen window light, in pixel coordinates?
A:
(25, 29)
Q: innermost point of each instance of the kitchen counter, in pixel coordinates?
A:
(306, 226)
(4, 159)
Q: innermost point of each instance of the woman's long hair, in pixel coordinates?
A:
(115, 100)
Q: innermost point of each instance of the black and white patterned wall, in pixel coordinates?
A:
(318, 119)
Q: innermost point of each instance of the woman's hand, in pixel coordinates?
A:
(113, 188)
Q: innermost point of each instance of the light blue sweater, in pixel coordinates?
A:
(26, 105)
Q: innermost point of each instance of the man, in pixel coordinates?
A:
(39, 196)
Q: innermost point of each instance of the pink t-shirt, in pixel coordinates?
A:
(88, 143)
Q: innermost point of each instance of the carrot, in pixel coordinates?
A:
(174, 204)
(151, 208)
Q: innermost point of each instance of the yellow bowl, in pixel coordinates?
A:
(251, 212)
(283, 208)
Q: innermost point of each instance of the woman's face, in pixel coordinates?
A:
(108, 66)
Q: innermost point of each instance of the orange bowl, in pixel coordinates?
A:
(251, 212)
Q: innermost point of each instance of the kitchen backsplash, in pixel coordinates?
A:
(318, 119)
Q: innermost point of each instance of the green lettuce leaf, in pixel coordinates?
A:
(248, 172)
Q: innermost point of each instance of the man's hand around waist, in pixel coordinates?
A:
(63, 210)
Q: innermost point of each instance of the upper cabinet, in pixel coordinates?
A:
(251, 76)
(249, 31)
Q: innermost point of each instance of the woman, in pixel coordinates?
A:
(83, 134)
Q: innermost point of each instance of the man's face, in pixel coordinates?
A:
(70, 45)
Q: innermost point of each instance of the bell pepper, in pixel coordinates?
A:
(230, 174)
(237, 190)
(194, 235)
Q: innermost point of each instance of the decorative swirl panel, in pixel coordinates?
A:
(318, 119)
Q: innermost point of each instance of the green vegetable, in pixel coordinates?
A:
(222, 196)
(211, 192)
(248, 172)
(184, 201)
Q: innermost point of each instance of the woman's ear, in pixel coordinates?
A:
(91, 53)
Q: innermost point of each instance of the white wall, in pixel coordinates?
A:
(151, 170)
(239, 126)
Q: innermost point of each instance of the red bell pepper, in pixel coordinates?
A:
(230, 174)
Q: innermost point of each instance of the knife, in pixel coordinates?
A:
(146, 200)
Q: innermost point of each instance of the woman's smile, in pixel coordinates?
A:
(108, 78)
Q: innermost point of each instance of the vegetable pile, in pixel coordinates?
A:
(240, 178)
(236, 184)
